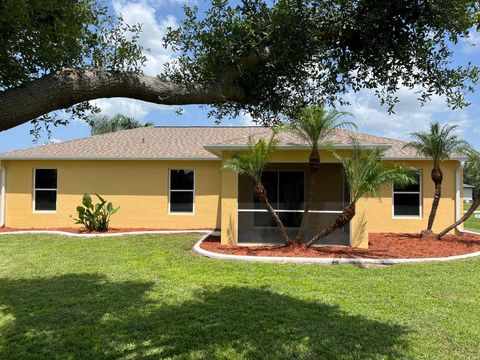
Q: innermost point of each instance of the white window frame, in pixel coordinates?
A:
(43, 189)
(170, 190)
(420, 199)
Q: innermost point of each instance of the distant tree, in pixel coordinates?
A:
(313, 125)
(102, 124)
(438, 144)
(474, 162)
(366, 174)
(471, 175)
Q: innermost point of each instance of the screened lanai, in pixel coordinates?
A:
(287, 186)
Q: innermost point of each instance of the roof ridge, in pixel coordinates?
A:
(209, 126)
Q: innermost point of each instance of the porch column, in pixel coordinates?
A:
(459, 194)
(359, 226)
(229, 207)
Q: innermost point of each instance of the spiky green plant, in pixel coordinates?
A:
(366, 174)
(314, 124)
(438, 144)
(252, 163)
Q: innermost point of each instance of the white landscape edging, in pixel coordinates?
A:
(70, 234)
(326, 261)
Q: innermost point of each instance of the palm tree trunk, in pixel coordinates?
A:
(261, 195)
(437, 177)
(343, 219)
(314, 164)
(470, 211)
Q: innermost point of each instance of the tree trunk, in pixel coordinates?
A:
(261, 195)
(314, 164)
(470, 211)
(437, 177)
(68, 87)
(343, 219)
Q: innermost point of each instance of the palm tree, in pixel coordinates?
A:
(103, 124)
(439, 143)
(252, 163)
(314, 124)
(474, 161)
(366, 175)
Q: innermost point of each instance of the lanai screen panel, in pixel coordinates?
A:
(287, 188)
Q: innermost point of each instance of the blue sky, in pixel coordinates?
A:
(157, 15)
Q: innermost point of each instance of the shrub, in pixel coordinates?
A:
(95, 217)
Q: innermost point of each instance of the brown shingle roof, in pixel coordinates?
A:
(185, 143)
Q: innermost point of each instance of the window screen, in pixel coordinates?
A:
(407, 199)
(182, 191)
(45, 190)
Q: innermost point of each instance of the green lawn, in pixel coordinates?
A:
(146, 297)
(472, 223)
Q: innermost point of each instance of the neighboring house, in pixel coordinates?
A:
(171, 178)
(468, 193)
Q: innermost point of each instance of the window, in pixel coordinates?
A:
(285, 191)
(182, 191)
(407, 199)
(45, 190)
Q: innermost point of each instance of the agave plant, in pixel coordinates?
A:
(95, 217)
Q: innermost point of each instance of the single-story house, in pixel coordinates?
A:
(171, 178)
(468, 193)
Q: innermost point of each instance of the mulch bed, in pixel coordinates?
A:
(80, 230)
(381, 245)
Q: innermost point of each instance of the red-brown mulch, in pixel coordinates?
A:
(81, 230)
(381, 246)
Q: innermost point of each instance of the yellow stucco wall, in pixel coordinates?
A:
(140, 188)
(372, 214)
(379, 214)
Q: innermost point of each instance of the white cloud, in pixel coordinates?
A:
(409, 115)
(247, 120)
(471, 44)
(154, 29)
(159, 3)
(53, 141)
(129, 107)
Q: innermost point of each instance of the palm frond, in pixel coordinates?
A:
(367, 174)
(438, 143)
(253, 161)
(314, 124)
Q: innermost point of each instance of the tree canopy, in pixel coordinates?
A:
(103, 124)
(266, 58)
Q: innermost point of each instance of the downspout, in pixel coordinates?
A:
(2, 194)
(458, 199)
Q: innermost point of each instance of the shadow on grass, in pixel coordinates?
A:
(86, 316)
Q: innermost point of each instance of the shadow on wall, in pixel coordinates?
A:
(359, 230)
(84, 316)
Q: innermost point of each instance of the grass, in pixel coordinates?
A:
(147, 297)
(472, 223)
